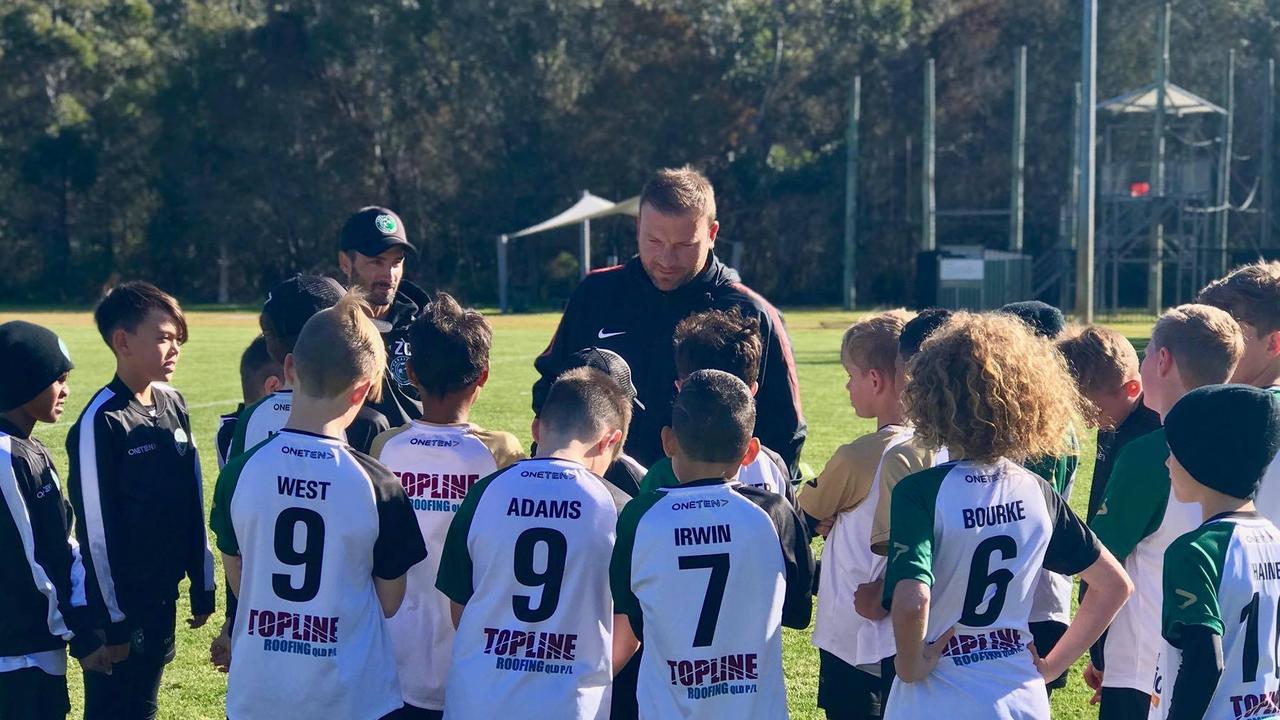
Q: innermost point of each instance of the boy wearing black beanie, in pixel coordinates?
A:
(1221, 580)
(43, 600)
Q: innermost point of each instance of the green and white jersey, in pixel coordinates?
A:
(1267, 499)
(767, 472)
(528, 555)
(1225, 576)
(437, 465)
(314, 522)
(1053, 591)
(979, 535)
(1138, 518)
(681, 553)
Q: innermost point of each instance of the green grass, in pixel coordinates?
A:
(207, 376)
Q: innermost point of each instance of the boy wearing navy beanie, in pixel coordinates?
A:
(43, 599)
(1222, 580)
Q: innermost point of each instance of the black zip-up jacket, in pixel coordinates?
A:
(619, 308)
(400, 403)
(136, 489)
(43, 601)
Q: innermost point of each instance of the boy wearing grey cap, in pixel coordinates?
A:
(43, 602)
(1221, 580)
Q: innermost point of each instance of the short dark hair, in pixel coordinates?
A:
(256, 365)
(450, 346)
(127, 305)
(581, 404)
(1251, 293)
(919, 328)
(725, 340)
(713, 417)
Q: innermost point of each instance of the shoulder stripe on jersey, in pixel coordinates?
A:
(22, 520)
(92, 499)
(208, 585)
(386, 436)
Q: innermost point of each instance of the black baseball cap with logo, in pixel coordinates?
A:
(373, 231)
(610, 363)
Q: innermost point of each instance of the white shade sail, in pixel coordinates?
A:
(1178, 101)
(588, 207)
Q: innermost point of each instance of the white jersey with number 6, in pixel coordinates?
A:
(528, 556)
(978, 535)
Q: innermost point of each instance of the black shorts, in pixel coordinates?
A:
(33, 694)
(846, 692)
(1046, 635)
(1123, 703)
(413, 712)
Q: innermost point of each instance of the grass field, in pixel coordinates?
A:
(207, 375)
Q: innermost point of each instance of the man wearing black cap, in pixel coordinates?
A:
(39, 566)
(371, 256)
(1222, 579)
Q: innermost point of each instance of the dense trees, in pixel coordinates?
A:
(168, 138)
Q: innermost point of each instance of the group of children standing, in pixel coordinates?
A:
(434, 570)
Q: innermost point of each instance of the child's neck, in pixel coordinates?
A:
(1215, 503)
(138, 382)
(450, 409)
(895, 415)
(21, 419)
(325, 416)
(687, 471)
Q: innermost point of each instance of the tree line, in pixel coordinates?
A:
(171, 138)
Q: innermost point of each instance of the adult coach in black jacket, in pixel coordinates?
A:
(371, 255)
(633, 310)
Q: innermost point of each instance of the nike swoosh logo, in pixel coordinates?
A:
(1184, 594)
(605, 335)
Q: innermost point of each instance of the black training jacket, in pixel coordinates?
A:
(619, 308)
(42, 600)
(136, 489)
(400, 403)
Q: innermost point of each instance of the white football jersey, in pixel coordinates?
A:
(437, 465)
(528, 556)
(314, 522)
(979, 535)
(260, 421)
(681, 552)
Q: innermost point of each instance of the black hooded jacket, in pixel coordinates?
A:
(619, 308)
(400, 402)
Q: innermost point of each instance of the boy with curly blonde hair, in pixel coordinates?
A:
(969, 538)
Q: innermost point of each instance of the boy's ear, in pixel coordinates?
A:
(1132, 389)
(484, 377)
(413, 376)
(120, 341)
(1164, 362)
(755, 387)
(290, 371)
(344, 264)
(1271, 341)
(609, 443)
(753, 450)
(272, 384)
(360, 391)
(670, 446)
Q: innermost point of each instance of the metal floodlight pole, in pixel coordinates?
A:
(1224, 167)
(851, 198)
(1073, 183)
(1088, 153)
(1019, 153)
(584, 246)
(929, 204)
(1268, 135)
(503, 304)
(1155, 261)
